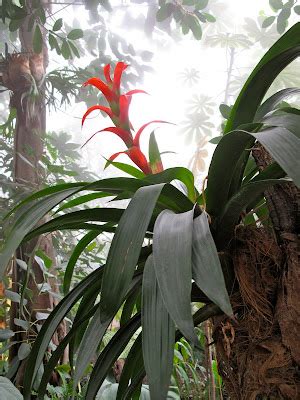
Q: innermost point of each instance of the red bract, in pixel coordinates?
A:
(137, 156)
(118, 112)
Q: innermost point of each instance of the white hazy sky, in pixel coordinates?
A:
(169, 95)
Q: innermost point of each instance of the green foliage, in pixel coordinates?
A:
(163, 241)
(283, 12)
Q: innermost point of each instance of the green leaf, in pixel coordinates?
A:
(180, 173)
(26, 222)
(111, 215)
(134, 362)
(297, 9)
(129, 169)
(15, 24)
(89, 344)
(58, 352)
(57, 25)
(158, 335)
(6, 334)
(81, 245)
(74, 49)
(49, 327)
(282, 20)
(239, 203)
(172, 253)
(268, 21)
(110, 354)
(83, 199)
(22, 323)
(207, 270)
(276, 4)
(222, 168)
(8, 390)
(24, 351)
(53, 43)
(271, 103)
(165, 12)
(284, 147)
(225, 110)
(194, 24)
(201, 4)
(105, 4)
(37, 40)
(282, 53)
(125, 249)
(154, 155)
(75, 34)
(65, 50)
(209, 17)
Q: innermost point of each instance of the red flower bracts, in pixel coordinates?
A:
(118, 112)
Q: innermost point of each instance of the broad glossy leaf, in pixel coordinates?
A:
(182, 174)
(125, 249)
(284, 147)
(50, 325)
(207, 270)
(8, 390)
(286, 118)
(110, 354)
(172, 254)
(158, 335)
(271, 103)
(282, 53)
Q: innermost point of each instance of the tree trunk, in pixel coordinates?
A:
(259, 355)
(24, 78)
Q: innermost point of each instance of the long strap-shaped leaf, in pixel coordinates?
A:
(109, 355)
(172, 253)
(50, 325)
(27, 221)
(284, 147)
(158, 335)
(125, 249)
(207, 270)
(238, 203)
(133, 364)
(81, 245)
(283, 52)
(93, 336)
(201, 315)
(58, 352)
(271, 103)
(78, 217)
(89, 344)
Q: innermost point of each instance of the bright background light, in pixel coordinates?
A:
(170, 92)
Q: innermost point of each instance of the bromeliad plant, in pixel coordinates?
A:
(119, 114)
(154, 284)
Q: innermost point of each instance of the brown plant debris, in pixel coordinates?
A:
(259, 356)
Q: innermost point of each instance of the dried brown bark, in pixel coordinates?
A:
(259, 355)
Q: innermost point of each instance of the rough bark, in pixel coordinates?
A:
(25, 72)
(259, 356)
